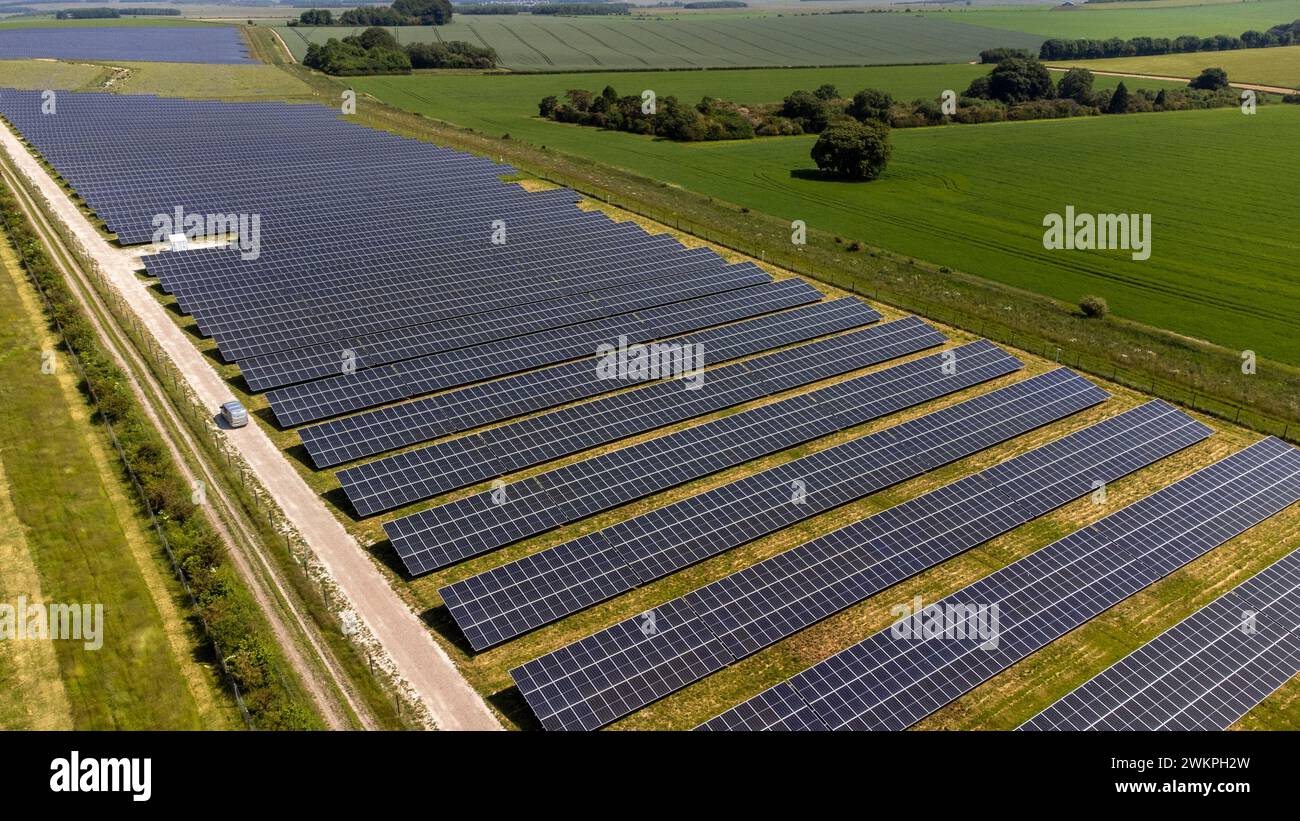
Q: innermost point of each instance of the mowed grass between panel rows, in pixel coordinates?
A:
(545, 43)
(974, 197)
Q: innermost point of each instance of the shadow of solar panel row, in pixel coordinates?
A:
(341, 394)
(777, 597)
(375, 431)
(442, 535)
(420, 474)
(178, 44)
(304, 364)
(1205, 672)
(611, 673)
(889, 682)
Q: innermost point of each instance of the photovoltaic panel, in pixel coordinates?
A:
(887, 682)
(1205, 672)
(408, 342)
(172, 44)
(506, 601)
(366, 434)
(420, 474)
(476, 524)
(778, 708)
(756, 607)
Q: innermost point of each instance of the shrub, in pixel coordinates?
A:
(853, 150)
(871, 104)
(1211, 79)
(1094, 307)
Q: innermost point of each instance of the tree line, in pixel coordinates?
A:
(400, 13)
(1285, 34)
(376, 51)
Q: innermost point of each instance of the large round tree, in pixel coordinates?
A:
(853, 150)
(1019, 80)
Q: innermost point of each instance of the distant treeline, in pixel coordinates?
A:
(105, 13)
(490, 8)
(716, 4)
(376, 51)
(401, 13)
(1285, 34)
(580, 8)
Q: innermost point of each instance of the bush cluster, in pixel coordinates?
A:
(376, 51)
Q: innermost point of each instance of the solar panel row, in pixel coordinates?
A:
(347, 392)
(375, 431)
(420, 474)
(318, 361)
(1205, 672)
(755, 607)
(476, 524)
(898, 676)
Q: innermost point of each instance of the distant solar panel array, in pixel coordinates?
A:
(468, 322)
(166, 44)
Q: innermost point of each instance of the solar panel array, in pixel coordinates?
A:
(343, 286)
(344, 393)
(891, 682)
(166, 44)
(602, 677)
(761, 604)
(1205, 672)
(467, 527)
(406, 477)
(376, 431)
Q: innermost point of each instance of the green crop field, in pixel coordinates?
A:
(525, 42)
(1265, 66)
(974, 197)
(1132, 19)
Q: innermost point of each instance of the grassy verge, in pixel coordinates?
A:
(224, 607)
(76, 536)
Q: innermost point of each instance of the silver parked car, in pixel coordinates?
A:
(234, 414)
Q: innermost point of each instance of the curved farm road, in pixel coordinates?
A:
(1251, 86)
(425, 666)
